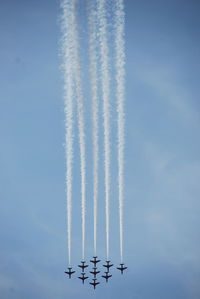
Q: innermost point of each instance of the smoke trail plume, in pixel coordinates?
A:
(67, 53)
(120, 95)
(73, 90)
(94, 83)
(81, 125)
(105, 80)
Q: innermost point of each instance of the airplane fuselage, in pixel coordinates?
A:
(121, 268)
(106, 277)
(70, 272)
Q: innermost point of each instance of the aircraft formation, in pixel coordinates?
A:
(105, 94)
(95, 271)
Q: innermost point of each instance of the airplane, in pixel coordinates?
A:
(70, 272)
(121, 268)
(108, 265)
(83, 266)
(94, 261)
(95, 272)
(83, 277)
(107, 276)
(94, 283)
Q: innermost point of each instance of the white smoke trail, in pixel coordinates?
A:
(120, 95)
(81, 124)
(67, 53)
(94, 83)
(105, 80)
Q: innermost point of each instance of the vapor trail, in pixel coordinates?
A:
(67, 53)
(120, 95)
(80, 115)
(105, 80)
(94, 82)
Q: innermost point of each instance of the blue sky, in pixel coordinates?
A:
(162, 157)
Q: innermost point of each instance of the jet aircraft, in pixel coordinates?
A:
(83, 277)
(122, 268)
(94, 283)
(69, 272)
(94, 272)
(83, 266)
(108, 265)
(107, 276)
(94, 261)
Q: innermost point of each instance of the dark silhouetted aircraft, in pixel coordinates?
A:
(94, 272)
(69, 272)
(94, 283)
(83, 266)
(94, 261)
(83, 277)
(108, 265)
(121, 268)
(107, 276)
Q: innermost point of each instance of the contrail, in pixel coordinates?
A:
(94, 87)
(120, 95)
(80, 114)
(105, 80)
(67, 53)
